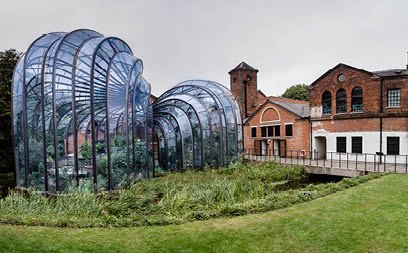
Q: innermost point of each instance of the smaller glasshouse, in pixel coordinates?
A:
(82, 117)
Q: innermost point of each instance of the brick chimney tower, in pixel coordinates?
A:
(243, 80)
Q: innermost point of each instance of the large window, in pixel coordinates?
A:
(289, 130)
(270, 131)
(393, 145)
(341, 144)
(341, 101)
(357, 99)
(357, 145)
(327, 102)
(263, 131)
(393, 97)
(253, 132)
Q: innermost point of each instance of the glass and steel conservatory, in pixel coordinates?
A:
(81, 114)
(197, 124)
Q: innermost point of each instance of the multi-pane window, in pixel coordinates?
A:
(289, 130)
(357, 145)
(253, 132)
(341, 101)
(327, 102)
(263, 131)
(341, 144)
(270, 131)
(393, 98)
(357, 99)
(393, 145)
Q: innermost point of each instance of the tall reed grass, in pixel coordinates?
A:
(179, 197)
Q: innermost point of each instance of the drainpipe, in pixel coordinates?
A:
(246, 99)
(381, 115)
(311, 137)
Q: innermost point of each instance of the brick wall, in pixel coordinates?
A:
(301, 129)
(237, 79)
(394, 119)
(353, 78)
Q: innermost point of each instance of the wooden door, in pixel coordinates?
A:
(282, 148)
(257, 147)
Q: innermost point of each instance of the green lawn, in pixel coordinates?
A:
(371, 217)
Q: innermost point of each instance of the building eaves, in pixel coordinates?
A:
(300, 110)
(243, 66)
(335, 67)
(391, 72)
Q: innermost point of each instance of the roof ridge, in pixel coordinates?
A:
(243, 66)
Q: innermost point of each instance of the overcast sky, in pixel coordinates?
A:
(289, 42)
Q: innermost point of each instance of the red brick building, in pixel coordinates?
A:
(357, 111)
(271, 125)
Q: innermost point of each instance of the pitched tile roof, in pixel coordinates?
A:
(243, 66)
(391, 72)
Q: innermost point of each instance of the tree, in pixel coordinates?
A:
(298, 91)
(8, 59)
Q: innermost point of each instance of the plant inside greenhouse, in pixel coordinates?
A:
(82, 117)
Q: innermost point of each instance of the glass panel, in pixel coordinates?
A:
(341, 101)
(60, 107)
(215, 110)
(18, 127)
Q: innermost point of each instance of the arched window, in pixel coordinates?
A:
(357, 99)
(327, 102)
(341, 101)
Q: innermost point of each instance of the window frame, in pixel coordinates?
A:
(337, 144)
(389, 105)
(341, 102)
(357, 99)
(291, 130)
(276, 131)
(252, 132)
(354, 143)
(327, 100)
(270, 131)
(264, 130)
(398, 147)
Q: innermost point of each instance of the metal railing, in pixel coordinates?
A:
(353, 161)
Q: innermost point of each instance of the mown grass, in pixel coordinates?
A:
(370, 217)
(178, 198)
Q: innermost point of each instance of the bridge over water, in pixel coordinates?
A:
(337, 164)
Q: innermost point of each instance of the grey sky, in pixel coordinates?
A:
(288, 41)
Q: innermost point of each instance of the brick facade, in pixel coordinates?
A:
(244, 78)
(259, 110)
(374, 122)
(366, 115)
(299, 139)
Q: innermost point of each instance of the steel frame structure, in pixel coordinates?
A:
(81, 113)
(198, 117)
(82, 117)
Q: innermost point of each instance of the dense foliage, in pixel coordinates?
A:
(179, 197)
(8, 59)
(298, 91)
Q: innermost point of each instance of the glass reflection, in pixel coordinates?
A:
(80, 109)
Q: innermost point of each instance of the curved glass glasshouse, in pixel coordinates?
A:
(197, 124)
(82, 117)
(81, 113)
